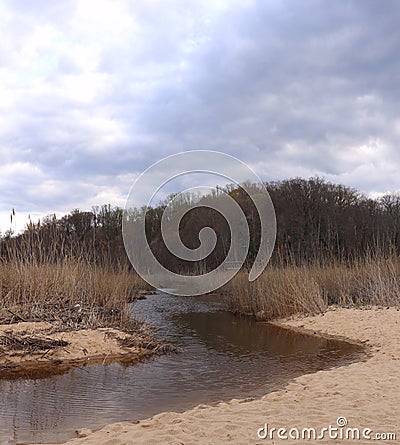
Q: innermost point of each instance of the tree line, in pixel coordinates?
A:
(316, 221)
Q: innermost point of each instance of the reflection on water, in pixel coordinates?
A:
(222, 357)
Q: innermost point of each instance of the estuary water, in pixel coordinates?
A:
(222, 357)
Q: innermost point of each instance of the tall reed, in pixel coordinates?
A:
(37, 283)
(286, 290)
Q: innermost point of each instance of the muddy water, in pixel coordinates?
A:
(222, 357)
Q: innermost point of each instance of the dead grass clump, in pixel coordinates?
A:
(284, 291)
(28, 343)
(279, 292)
(143, 338)
(147, 342)
(69, 291)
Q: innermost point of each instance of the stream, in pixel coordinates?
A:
(222, 357)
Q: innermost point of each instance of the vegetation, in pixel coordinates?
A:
(334, 246)
(310, 288)
(47, 277)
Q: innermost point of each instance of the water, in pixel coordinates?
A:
(223, 357)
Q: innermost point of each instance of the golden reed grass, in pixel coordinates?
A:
(48, 282)
(284, 291)
(67, 289)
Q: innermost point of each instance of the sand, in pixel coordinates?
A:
(366, 393)
(84, 347)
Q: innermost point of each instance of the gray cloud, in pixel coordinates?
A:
(91, 93)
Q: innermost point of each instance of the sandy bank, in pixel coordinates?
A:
(77, 348)
(365, 393)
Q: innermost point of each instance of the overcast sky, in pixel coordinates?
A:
(93, 92)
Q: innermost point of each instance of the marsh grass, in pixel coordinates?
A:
(287, 290)
(70, 287)
(39, 284)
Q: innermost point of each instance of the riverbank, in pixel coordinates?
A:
(310, 287)
(365, 393)
(35, 348)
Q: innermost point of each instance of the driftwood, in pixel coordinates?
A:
(28, 343)
(147, 342)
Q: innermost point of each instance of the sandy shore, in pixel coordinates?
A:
(82, 347)
(366, 393)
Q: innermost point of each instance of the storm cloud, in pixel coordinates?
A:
(93, 92)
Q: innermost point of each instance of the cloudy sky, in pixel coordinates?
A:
(93, 92)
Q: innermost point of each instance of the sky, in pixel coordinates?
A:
(92, 92)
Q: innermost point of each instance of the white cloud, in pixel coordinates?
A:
(92, 92)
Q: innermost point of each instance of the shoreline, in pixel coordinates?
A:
(365, 393)
(24, 349)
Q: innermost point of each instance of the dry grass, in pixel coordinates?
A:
(28, 343)
(144, 339)
(283, 291)
(69, 291)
